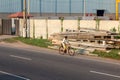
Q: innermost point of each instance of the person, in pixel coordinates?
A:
(65, 43)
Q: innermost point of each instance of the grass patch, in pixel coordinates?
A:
(36, 42)
(117, 37)
(113, 54)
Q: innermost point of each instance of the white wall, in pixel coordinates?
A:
(70, 24)
(21, 22)
(107, 25)
(40, 28)
(88, 24)
(32, 24)
(54, 26)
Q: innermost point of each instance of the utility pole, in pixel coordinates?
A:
(84, 2)
(28, 17)
(56, 7)
(70, 7)
(28, 9)
(25, 16)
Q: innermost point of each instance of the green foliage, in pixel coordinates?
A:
(61, 29)
(119, 29)
(113, 54)
(37, 42)
(113, 29)
(117, 37)
(97, 24)
(62, 19)
(79, 23)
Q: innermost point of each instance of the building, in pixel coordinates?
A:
(60, 7)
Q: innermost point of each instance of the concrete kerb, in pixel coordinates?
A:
(6, 36)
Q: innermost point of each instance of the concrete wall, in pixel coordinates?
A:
(21, 28)
(45, 27)
(107, 25)
(88, 24)
(54, 26)
(70, 24)
(38, 28)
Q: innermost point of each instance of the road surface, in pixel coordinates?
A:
(27, 64)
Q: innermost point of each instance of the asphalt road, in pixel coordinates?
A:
(19, 64)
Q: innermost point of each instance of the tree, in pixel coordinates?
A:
(62, 19)
(97, 24)
(78, 23)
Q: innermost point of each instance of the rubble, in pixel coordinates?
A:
(87, 39)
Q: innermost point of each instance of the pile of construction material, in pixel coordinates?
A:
(88, 39)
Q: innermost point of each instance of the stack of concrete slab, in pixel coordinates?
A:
(85, 38)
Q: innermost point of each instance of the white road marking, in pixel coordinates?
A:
(106, 74)
(20, 57)
(10, 74)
